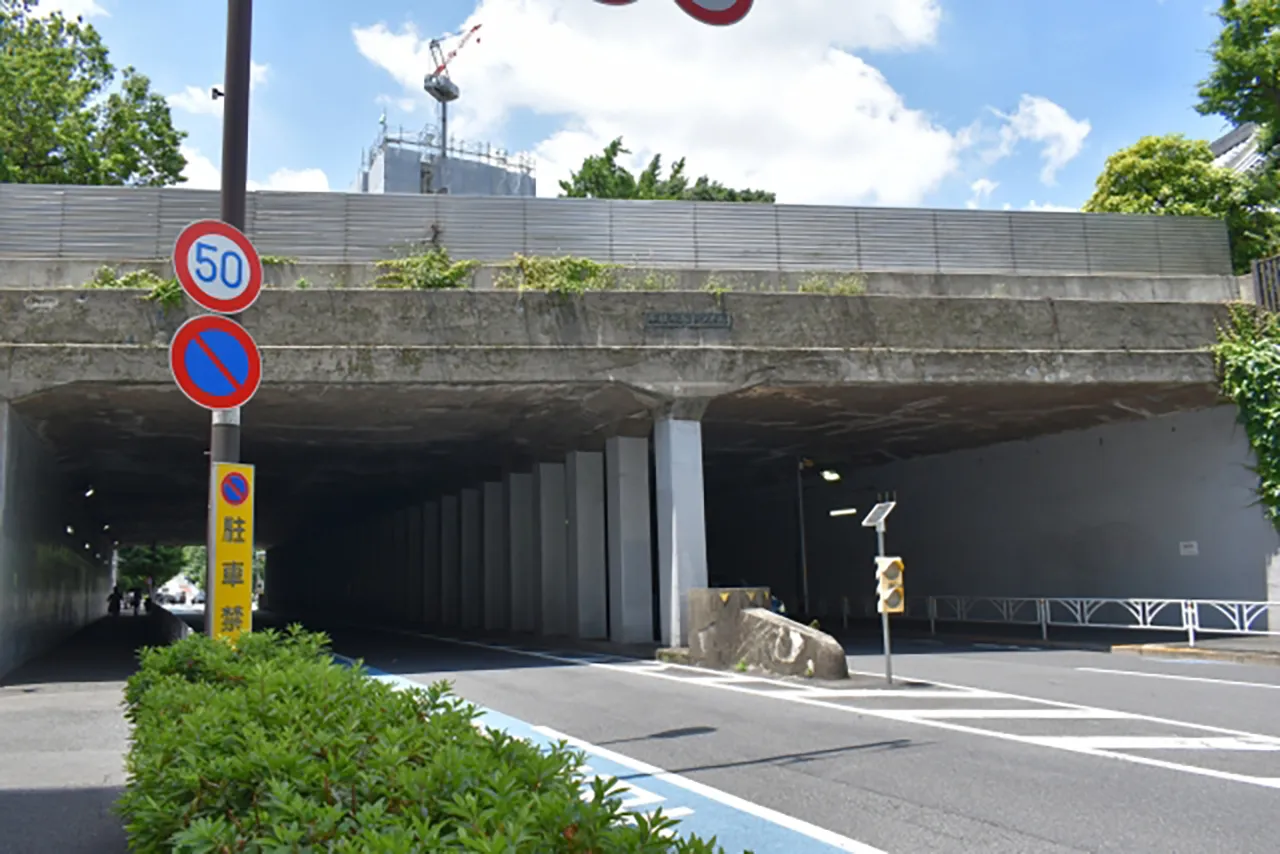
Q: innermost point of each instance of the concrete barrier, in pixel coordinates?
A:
(730, 627)
(164, 627)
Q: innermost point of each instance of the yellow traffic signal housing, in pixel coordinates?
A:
(889, 585)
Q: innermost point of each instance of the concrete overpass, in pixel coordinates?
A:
(561, 464)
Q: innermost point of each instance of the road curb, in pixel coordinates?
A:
(1154, 650)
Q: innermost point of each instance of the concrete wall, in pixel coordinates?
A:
(1098, 512)
(22, 273)
(50, 584)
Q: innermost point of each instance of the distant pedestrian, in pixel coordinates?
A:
(114, 598)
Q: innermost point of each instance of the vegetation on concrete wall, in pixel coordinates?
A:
(1248, 359)
(166, 292)
(270, 745)
(426, 271)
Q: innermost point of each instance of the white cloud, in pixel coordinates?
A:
(981, 189)
(776, 102)
(1040, 120)
(1033, 205)
(202, 174)
(199, 101)
(72, 8)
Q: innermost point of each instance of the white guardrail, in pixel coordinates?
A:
(1192, 616)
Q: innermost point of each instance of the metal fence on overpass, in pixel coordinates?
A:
(118, 223)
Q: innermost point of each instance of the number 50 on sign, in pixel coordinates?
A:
(217, 266)
(231, 558)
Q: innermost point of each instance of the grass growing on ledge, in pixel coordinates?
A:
(1248, 361)
(432, 270)
(277, 261)
(563, 275)
(834, 284)
(166, 292)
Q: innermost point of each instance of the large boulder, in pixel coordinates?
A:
(728, 626)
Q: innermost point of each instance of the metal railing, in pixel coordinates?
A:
(1266, 282)
(1194, 617)
(130, 224)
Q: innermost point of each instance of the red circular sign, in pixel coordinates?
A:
(235, 489)
(716, 12)
(217, 266)
(215, 362)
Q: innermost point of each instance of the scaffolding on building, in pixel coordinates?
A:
(426, 142)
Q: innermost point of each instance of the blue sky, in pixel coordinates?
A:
(939, 103)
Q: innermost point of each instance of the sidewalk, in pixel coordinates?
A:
(62, 743)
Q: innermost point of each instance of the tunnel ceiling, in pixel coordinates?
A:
(326, 450)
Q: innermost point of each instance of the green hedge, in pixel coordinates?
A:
(271, 746)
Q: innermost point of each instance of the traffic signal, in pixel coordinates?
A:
(892, 598)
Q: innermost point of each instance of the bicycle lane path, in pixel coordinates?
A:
(737, 824)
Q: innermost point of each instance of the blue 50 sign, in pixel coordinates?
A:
(715, 12)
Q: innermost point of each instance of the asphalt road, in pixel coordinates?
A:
(1077, 760)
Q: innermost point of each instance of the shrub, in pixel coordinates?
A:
(166, 292)
(562, 275)
(271, 746)
(432, 270)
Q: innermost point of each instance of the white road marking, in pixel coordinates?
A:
(1020, 714)
(915, 694)
(820, 834)
(1149, 742)
(898, 715)
(1180, 678)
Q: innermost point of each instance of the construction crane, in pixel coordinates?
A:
(440, 86)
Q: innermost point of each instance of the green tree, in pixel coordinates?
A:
(601, 177)
(138, 563)
(1175, 176)
(1244, 83)
(64, 121)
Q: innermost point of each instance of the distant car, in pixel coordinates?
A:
(198, 599)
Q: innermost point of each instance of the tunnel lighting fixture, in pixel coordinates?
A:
(71, 530)
(845, 511)
(88, 493)
(106, 527)
(830, 476)
(87, 547)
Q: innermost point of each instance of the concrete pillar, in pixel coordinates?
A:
(431, 564)
(523, 562)
(450, 579)
(413, 565)
(586, 563)
(497, 581)
(626, 463)
(682, 527)
(469, 551)
(552, 533)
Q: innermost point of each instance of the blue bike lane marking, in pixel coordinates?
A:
(737, 824)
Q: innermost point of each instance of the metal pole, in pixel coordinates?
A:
(804, 548)
(884, 615)
(444, 145)
(224, 433)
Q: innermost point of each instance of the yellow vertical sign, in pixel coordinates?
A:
(231, 559)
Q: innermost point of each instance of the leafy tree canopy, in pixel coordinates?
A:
(601, 177)
(138, 563)
(1175, 176)
(64, 121)
(1244, 84)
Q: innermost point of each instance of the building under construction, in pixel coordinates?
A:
(403, 161)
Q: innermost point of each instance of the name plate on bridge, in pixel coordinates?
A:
(687, 320)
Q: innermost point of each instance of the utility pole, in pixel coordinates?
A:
(224, 438)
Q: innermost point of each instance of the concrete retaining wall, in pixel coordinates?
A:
(1157, 508)
(50, 584)
(24, 273)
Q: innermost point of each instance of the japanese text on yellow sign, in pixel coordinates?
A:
(231, 558)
